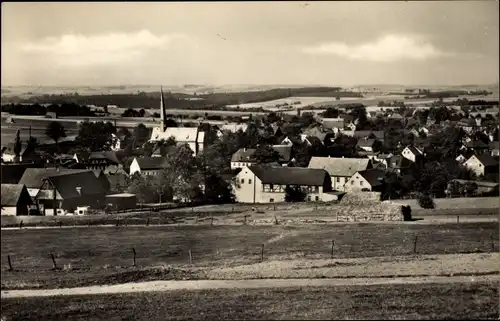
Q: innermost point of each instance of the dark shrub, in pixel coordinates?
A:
(425, 201)
(406, 210)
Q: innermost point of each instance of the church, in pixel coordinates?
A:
(195, 139)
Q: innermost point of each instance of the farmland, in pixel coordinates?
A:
(102, 255)
(419, 301)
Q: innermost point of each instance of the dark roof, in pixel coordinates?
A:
(67, 184)
(487, 159)
(365, 142)
(146, 163)
(313, 140)
(294, 139)
(398, 161)
(366, 133)
(117, 182)
(33, 177)
(108, 155)
(373, 176)
(163, 149)
(494, 145)
(290, 175)
(414, 150)
(12, 173)
(476, 144)
(285, 152)
(243, 155)
(11, 193)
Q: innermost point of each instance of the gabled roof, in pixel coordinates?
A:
(11, 193)
(180, 134)
(414, 150)
(487, 160)
(364, 133)
(243, 155)
(340, 166)
(289, 175)
(67, 184)
(33, 177)
(374, 176)
(398, 161)
(285, 152)
(494, 145)
(151, 163)
(476, 144)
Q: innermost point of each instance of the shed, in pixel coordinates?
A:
(122, 201)
(15, 200)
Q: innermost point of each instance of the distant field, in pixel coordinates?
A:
(462, 301)
(94, 253)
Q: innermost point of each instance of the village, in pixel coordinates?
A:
(448, 150)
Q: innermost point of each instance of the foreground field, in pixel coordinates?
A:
(104, 255)
(419, 301)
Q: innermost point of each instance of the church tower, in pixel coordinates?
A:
(162, 111)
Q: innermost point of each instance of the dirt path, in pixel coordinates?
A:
(154, 286)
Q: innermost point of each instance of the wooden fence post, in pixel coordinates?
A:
(10, 264)
(458, 219)
(492, 243)
(415, 244)
(21, 224)
(53, 261)
(60, 223)
(133, 251)
(262, 252)
(147, 222)
(117, 221)
(190, 257)
(333, 243)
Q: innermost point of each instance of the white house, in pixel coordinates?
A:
(340, 169)
(266, 184)
(368, 180)
(482, 164)
(147, 165)
(411, 153)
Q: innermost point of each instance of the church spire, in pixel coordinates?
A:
(162, 110)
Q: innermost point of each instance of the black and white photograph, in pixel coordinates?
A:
(250, 160)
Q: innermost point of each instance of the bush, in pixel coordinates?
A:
(406, 210)
(425, 201)
(294, 194)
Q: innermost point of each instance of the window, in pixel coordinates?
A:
(338, 179)
(361, 183)
(316, 189)
(317, 198)
(271, 200)
(352, 182)
(309, 198)
(271, 186)
(249, 181)
(242, 181)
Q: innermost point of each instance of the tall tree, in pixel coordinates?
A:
(17, 144)
(266, 154)
(141, 134)
(56, 131)
(96, 136)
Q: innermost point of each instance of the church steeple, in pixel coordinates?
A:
(162, 111)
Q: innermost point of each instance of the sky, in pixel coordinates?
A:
(220, 43)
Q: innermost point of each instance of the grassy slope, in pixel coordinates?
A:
(446, 301)
(94, 253)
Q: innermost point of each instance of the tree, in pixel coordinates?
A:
(294, 194)
(266, 154)
(141, 134)
(96, 136)
(425, 201)
(55, 130)
(17, 144)
(330, 113)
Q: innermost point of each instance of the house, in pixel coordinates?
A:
(351, 126)
(266, 184)
(291, 140)
(310, 140)
(33, 177)
(494, 148)
(16, 200)
(191, 136)
(383, 159)
(242, 157)
(482, 164)
(477, 146)
(323, 136)
(399, 164)
(121, 201)
(101, 160)
(333, 124)
(161, 151)
(365, 134)
(64, 193)
(369, 180)
(147, 165)
(340, 169)
(118, 183)
(411, 153)
(118, 143)
(366, 144)
(27, 154)
(461, 159)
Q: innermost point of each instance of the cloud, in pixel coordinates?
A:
(110, 48)
(389, 48)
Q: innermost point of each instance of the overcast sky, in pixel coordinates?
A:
(330, 43)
